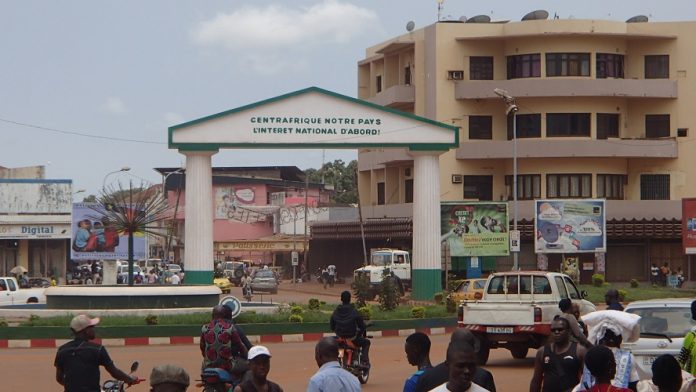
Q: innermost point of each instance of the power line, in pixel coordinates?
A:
(74, 133)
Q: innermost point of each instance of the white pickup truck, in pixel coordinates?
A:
(394, 261)
(517, 309)
(11, 294)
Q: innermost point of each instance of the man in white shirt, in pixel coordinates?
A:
(175, 279)
(461, 362)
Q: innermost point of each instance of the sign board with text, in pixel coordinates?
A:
(689, 225)
(35, 231)
(313, 118)
(570, 226)
(475, 228)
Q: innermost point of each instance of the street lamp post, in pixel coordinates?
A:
(168, 238)
(511, 107)
(123, 169)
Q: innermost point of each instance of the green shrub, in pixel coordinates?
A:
(151, 319)
(365, 312)
(634, 283)
(296, 310)
(438, 297)
(314, 304)
(362, 290)
(598, 280)
(388, 293)
(3, 322)
(453, 283)
(33, 320)
(451, 305)
(418, 312)
(622, 295)
(295, 318)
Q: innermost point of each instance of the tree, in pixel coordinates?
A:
(89, 199)
(129, 211)
(343, 178)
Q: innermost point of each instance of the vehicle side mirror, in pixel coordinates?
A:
(583, 294)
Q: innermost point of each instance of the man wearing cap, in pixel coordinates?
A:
(169, 378)
(259, 364)
(77, 362)
(331, 377)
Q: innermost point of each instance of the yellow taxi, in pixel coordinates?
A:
(469, 290)
(224, 284)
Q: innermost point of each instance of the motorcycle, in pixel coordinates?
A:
(217, 380)
(350, 357)
(118, 385)
(247, 292)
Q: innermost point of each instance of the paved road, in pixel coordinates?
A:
(291, 366)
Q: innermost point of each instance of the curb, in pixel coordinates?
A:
(190, 340)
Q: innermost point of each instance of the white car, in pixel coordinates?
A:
(175, 268)
(663, 325)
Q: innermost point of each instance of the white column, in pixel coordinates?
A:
(426, 225)
(198, 248)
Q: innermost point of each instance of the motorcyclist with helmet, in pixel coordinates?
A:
(347, 323)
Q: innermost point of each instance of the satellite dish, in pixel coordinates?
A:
(638, 19)
(462, 19)
(479, 19)
(536, 15)
(410, 25)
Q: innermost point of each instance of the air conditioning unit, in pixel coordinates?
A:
(457, 178)
(455, 75)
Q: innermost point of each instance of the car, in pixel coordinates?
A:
(663, 325)
(175, 268)
(39, 282)
(122, 273)
(265, 280)
(468, 289)
(224, 284)
(234, 270)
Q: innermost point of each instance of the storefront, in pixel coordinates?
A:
(275, 251)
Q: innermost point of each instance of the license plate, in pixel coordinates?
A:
(499, 329)
(648, 361)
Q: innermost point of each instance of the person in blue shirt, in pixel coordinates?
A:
(331, 377)
(417, 349)
(82, 235)
(612, 300)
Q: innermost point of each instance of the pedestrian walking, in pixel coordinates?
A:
(600, 361)
(461, 364)
(558, 365)
(330, 377)
(417, 350)
(331, 270)
(612, 300)
(260, 365)
(654, 274)
(577, 335)
(169, 378)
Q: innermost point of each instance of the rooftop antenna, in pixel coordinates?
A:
(439, 9)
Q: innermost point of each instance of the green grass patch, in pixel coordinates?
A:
(642, 292)
(321, 315)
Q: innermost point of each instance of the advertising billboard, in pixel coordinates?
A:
(475, 228)
(689, 225)
(94, 238)
(570, 226)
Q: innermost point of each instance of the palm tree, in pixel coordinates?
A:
(131, 210)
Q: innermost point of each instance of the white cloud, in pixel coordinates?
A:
(114, 105)
(274, 38)
(330, 21)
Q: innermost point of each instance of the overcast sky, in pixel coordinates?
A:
(129, 69)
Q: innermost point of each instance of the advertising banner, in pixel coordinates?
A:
(475, 228)
(689, 225)
(94, 238)
(570, 226)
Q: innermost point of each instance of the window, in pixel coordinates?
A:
(480, 127)
(480, 68)
(524, 66)
(378, 83)
(572, 290)
(408, 191)
(561, 287)
(611, 186)
(528, 125)
(497, 285)
(610, 65)
(478, 187)
(407, 75)
(654, 186)
(541, 285)
(657, 66)
(656, 125)
(567, 64)
(569, 185)
(607, 125)
(528, 186)
(380, 193)
(568, 124)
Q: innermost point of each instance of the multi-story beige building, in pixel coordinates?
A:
(605, 111)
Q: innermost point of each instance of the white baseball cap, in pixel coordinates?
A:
(82, 321)
(256, 351)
